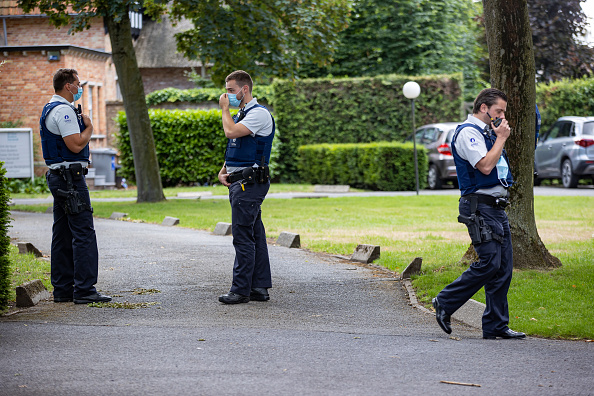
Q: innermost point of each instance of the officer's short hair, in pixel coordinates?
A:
(241, 78)
(63, 77)
(487, 96)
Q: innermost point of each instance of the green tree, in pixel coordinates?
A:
(410, 37)
(263, 37)
(511, 57)
(116, 17)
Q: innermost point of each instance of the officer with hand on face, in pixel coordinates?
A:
(245, 172)
(65, 136)
(484, 179)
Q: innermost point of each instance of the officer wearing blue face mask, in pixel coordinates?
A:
(484, 179)
(250, 133)
(65, 135)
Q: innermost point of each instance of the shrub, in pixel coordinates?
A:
(26, 186)
(385, 166)
(190, 146)
(357, 110)
(4, 241)
(564, 98)
(200, 95)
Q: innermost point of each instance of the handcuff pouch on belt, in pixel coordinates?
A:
(73, 203)
(478, 229)
(251, 175)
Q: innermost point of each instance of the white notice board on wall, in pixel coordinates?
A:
(16, 151)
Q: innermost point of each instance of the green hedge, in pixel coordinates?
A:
(171, 95)
(357, 110)
(4, 241)
(385, 166)
(564, 98)
(190, 146)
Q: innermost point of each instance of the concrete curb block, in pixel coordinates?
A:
(27, 247)
(470, 313)
(366, 253)
(118, 215)
(222, 229)
(289, 239)
(30, 293)
(170, 221)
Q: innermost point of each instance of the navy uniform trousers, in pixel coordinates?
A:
(252, 265)
(493, 271)
(74, 256)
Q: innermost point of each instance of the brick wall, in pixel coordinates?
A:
(155, 79)
(19, 33)
(26, 83)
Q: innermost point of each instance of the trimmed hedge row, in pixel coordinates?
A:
(564, 98)
(384, 166)
(190, 146)
(171, 95)
(357, 110)
(5, 273)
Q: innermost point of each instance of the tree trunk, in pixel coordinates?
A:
(511, 56)
(146, 165)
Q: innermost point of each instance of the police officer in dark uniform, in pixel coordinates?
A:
(65, 135)
(245, 172)
(484, 179)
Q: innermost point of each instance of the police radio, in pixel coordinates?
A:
(497, 121)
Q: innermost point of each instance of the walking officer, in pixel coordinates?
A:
(484, 179)
(245, 172)
(65, 135)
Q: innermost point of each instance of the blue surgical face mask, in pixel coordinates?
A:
(78, 95)
(233, 101)
(502, 171)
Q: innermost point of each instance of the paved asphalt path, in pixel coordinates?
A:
(331, 328)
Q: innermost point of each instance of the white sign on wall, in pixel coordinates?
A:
(16, 151)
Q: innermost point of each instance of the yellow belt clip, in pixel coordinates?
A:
(242, 187)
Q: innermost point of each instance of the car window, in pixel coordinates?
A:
(431, 135)
(560, 129)
(588, 128)
(450, 136)
(566, 130)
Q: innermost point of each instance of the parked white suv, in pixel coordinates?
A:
(566, 151)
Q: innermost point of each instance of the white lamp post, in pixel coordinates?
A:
(411, 90)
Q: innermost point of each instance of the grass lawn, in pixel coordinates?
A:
(545, 303)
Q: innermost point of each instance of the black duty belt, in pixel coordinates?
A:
(250, 175)
(498, 203)
(61, 170)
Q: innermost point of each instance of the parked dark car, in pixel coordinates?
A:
(566, 151)
(437, 139)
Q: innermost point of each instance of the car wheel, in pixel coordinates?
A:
(433, 180)
(569, 179)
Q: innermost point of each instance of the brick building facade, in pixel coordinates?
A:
(33, 50)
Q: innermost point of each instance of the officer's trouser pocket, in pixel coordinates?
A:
(245, 212)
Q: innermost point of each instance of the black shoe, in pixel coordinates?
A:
(443, 319)
(233, 298)
(92, 298)
(509, 333)
(62, 299)
(259, 294)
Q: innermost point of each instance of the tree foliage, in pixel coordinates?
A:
(556, 27)
(411, 37)
(266, 38)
